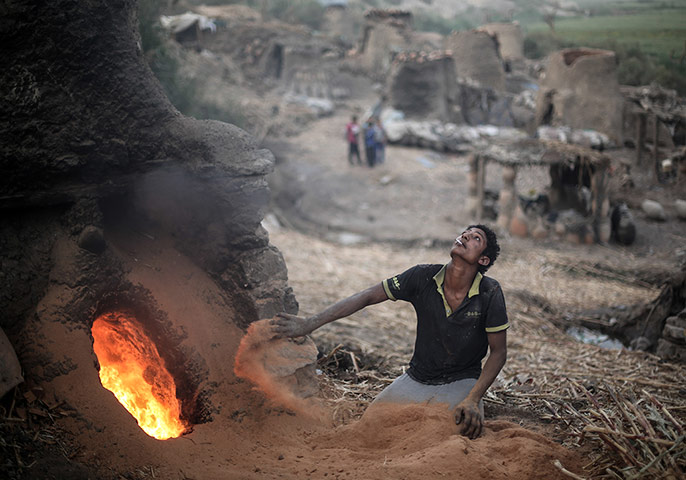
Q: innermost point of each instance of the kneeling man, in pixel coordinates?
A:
(461, 314)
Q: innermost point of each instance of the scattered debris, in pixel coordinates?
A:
(653, 210)
(10, 369)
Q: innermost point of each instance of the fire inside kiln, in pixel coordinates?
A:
(132, 369)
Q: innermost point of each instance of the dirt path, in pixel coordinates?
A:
(420, 196)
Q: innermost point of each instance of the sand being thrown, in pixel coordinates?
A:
(270, 364)
(393, 440)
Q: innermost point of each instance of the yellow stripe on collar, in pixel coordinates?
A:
(474, 290)
(439, 278)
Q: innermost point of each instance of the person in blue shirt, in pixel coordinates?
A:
(370, 142)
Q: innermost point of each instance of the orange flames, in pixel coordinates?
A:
(132, 369)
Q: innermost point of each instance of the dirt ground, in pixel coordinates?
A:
(341, 229)
(360, 230)
(86, 434)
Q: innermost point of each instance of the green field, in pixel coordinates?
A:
(648, 36)
(659, 33)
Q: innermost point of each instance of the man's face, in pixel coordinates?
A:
(470, 245)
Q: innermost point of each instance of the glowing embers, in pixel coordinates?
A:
(132, 369)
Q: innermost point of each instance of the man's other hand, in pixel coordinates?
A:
(468, 415)
(286, 325)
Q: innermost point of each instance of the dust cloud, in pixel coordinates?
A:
(270, 364)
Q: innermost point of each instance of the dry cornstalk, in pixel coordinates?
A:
(354, 360)
(562, 469)
(631, 436)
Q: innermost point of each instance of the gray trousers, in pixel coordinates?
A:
(406, 390)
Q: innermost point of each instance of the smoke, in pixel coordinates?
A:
(271, 364)
(175, 198)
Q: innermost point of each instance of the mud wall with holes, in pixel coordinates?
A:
(510, 40)
(424, 88)
(384, 33)
(580, 90)
(95, 162)
(477, 57)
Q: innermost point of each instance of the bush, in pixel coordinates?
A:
(541, 44)
(181, 91)
(424, 21)
(674, 77)
(633, 71)
(635, 67)
(307, 12)
(151, 36)
(234, 114)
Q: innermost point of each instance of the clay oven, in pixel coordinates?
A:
(124, 223)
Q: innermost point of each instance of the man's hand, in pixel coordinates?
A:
(287, 325)
(468, 415)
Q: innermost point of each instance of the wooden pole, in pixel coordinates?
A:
(508, 198)
(473, 182)
(600, 206)
(480, 186)
(656, 140)
(640, 135)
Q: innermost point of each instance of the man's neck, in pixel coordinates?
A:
(459, 277)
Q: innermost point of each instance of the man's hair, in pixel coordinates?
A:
(492, 249)
(354, 118)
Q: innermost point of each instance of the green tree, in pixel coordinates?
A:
(181, 90)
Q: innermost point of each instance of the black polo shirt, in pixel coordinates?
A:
(449, 345)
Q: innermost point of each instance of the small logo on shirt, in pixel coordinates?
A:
(396, 283)
(473, 314)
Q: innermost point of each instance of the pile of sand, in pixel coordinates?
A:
(390, 440)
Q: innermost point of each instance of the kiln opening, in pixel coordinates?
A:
(133, 370)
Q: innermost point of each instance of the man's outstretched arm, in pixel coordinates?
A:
(467, 412)
(287, 325)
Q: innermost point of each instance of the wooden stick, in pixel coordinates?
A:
(658, 458)
(559, 466)
(678, 426)
(640, 381)
(622, 409)
(608, 421)
(628, 458)
(352, 357)
(632, 436)
(331, 353)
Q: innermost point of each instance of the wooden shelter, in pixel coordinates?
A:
(570, 166)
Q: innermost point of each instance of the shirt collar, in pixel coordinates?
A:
(439, 278)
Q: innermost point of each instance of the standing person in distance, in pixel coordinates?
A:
(379, 142)
(352, 134)
(370, 142)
